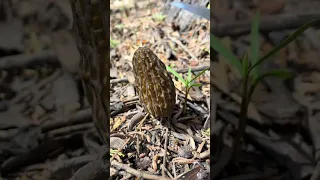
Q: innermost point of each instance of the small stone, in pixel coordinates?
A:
(185, 152)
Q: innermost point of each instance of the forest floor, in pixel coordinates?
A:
(140, 137)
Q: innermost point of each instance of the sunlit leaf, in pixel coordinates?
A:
(158, 16)
(195, 84)
(176, 75)
(189, 74)
(114, 43)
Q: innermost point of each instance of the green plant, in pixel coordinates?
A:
(206, 132)
(249, 70)
(114, 151)
(188, 82)
(119, 26)
(114, 43)
(158, 16)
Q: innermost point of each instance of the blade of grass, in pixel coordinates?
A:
(220, 48)
(176, 75)
(245, 64)
(195, 84)
(200, 73)
(255, 44)
(285, 74)
(189, 74)
(284, 43)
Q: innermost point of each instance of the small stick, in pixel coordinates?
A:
(165, 150)
(137, 173)
(183, 47)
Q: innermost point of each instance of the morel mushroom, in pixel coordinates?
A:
(153, 82)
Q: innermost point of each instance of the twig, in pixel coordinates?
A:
(82, 116)
(96, 170)
(137, 173)
(183, 47)
(121, 80)
(70, 129)
(193, 69)
(136, 119)
(267, 23)
(165, 151)
(142, 121)
(21, 60)
(34, 88)
(204, 155)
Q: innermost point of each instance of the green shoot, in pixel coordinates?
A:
(119, 26)
(206, 132)
(114, 151)
(158, 17)
(114, 43)
(188, 82)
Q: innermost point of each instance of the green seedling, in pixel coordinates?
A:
(114, 151)
(188, 82)
(158, 17)
(206, 132)
(114, 43)
(250, 70)
(119, 26)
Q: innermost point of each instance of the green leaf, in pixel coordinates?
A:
(198, 75)
(284, 43)
(245, 64)
(158, 16)
(220, 48)
(285, 74)
(255, 44)
(113, 42)
(195, 84)
(176, 75)
(189, 74)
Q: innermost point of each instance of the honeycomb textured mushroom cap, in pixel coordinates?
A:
(155, 87)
